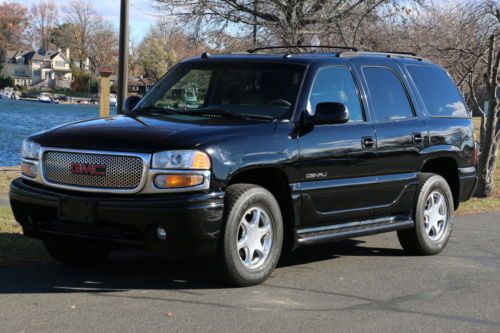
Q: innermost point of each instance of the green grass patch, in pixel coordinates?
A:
(14, 247)
(7, 175)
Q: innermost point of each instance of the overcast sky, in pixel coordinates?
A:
(141, 13)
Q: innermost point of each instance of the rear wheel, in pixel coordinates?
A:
(71, 254)
(253, 235)
(432, 216)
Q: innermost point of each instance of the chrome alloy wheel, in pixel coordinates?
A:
(436, 216)
(255, 238)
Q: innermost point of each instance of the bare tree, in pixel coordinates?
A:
(134, 60)
(103, 43)
(80, 15)
(490, 136)
(293, 22)
(44, 16)
(13, 21)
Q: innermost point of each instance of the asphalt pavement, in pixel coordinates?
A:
(367, 284)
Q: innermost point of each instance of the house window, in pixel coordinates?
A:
(60, 64)
(20, 72)
(37, 73)
(36, 62)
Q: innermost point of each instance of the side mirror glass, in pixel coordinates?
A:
(130, 103)
(329, 114)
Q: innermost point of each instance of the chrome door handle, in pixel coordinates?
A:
(418, 138)
(367, 142)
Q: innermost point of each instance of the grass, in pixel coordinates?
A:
(481, 205)
(16, 249)
(7, 175)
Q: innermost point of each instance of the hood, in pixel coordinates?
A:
(144, 134)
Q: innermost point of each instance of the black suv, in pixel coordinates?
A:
(242, 157)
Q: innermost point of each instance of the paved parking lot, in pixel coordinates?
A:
(363, 285)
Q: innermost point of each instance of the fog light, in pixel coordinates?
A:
(178, 181)
(161, 233)
(29, 169)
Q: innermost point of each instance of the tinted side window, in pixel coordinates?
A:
(441, 97)
(335, 84)
(389, 98)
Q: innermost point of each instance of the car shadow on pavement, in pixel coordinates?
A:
(344, 248)
(135, 270)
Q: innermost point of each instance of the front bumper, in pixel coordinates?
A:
(192, 221)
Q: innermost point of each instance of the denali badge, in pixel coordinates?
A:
(316, 175)
(88, 169)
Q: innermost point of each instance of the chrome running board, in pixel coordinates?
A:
(333, 232)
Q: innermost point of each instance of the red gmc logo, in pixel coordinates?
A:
(88, 169)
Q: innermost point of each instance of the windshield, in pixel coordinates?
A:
(261, 90)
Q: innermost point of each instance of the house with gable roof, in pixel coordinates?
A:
(39, 68)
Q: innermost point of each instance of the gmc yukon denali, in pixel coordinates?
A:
(242, 157)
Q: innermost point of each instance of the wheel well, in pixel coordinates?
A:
(447, 168)
(276, 182)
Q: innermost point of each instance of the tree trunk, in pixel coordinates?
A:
(489, 138)
(489, 153)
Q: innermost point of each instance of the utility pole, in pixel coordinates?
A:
(123, 56)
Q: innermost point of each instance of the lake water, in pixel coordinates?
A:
(19, 119)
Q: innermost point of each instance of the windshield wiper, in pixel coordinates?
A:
(202, 112)
(227, 113)
(217, 112)
(155, 109)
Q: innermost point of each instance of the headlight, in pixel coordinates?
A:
(181, 159)
(30, 149)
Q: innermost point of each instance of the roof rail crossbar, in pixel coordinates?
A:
(399, 52)
(257, 49)
(387, 54)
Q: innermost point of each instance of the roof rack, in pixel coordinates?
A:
(257, 49)
(399, 52)
(407, 55)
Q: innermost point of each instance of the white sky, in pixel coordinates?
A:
(141, 13)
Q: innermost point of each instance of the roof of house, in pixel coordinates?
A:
(140, 82)
(33, 55)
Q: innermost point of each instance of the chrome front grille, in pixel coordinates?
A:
(122, 172)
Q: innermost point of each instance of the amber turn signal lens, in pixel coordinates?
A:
(29, 169)
(201, 161)
(178, 181)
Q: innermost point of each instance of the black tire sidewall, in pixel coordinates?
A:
(263, 199)
(438, 184)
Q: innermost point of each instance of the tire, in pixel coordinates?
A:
(75, 255)
(433, 217)
(264, 225)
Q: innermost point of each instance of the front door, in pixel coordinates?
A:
(337, 162)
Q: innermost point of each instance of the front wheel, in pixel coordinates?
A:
(432, 215)
(253, 235)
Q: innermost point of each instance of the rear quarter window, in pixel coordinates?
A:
(440, 95)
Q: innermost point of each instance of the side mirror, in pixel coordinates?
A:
(130, 103)
(329, 114)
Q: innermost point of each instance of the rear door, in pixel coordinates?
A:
(337, 162)
(401, 136)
